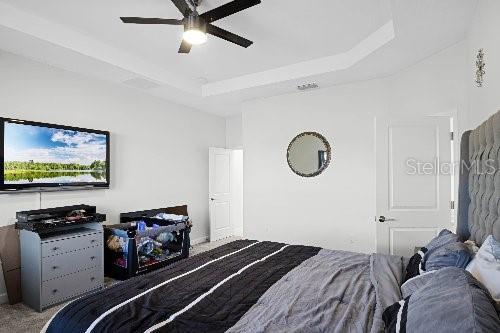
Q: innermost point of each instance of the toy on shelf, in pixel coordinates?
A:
(116, 243)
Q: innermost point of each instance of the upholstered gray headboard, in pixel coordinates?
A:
(479, 191)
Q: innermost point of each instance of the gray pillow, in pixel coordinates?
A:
(450, 255)
(443, 238)
(415, 283)
(451, 301)
(414, 266)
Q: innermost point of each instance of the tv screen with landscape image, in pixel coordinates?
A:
(45, 155)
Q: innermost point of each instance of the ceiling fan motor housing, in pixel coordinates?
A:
(194, 22)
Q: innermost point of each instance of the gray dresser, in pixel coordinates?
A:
(61, 266)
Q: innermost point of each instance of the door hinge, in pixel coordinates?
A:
(452, 136)
(452, 204)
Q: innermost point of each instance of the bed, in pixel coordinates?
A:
(253, 286)
(226, 288)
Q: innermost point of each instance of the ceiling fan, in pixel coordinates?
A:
(197, 26)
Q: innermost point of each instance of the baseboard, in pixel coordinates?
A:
(238, 232)
(199, 240)
(3, 298)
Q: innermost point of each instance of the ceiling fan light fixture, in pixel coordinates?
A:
(195, 30)
(195, 36)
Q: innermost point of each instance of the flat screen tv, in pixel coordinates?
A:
(46, 156)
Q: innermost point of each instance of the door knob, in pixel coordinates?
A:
(212, 199)
(383, 219)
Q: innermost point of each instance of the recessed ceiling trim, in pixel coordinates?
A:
(142, 83)
(60, 35)
(63, 36)
(333, 63)
(45, 33)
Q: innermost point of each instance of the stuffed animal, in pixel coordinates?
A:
(165, 237)
(146, 245)
(116, 243)
(76, 215)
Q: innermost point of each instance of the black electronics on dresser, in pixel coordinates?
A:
(54, 219)
(62, 255)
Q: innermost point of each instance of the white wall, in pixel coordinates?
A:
(234, 135)
(484, 33)
(336, 209)
(237, 191)
(234, 141)
(332, 210)
(159, 150)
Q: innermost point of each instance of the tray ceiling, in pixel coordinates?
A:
(295, 41)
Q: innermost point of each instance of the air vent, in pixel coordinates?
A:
(141, 83)
(308, 86)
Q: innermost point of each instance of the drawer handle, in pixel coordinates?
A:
(55, 248)
(54, 291)
(55, 267)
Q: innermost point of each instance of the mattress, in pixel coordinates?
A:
(246, 286)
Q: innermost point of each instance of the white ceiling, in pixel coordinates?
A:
(295, 41)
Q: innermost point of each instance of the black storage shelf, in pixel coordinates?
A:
(124, 265)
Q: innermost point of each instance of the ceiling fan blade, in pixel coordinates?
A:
(150, 20)
(229, 36)
(183, 7)
(185, 47)
(228, 9)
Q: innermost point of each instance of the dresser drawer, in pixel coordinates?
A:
(69, 244)
(60, 265)
(61, 289)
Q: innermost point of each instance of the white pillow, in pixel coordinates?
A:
(485, 266)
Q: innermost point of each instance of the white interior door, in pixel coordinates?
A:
(413, 182)
(220, 193)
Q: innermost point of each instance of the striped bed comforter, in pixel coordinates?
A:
(245, 286)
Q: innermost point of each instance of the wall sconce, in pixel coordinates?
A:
(480, 65)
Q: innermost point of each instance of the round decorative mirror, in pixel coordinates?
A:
(309, 154)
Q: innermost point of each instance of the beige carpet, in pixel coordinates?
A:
(20, 318)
